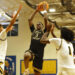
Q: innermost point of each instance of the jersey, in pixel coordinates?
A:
(3, 48)
(3, 44)
(64, 53)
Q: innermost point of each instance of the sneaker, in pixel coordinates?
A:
(26, 72)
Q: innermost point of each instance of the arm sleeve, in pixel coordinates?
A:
(32, 28)
(55, 41)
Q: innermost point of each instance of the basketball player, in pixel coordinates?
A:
(36, 49)
(3, 41)
(64, 49)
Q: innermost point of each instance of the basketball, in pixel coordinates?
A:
(43, 6)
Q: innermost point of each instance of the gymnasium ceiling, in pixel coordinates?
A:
(64, 14)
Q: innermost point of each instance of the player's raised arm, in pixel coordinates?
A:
(44, 38)
(45, 20)
(13, 20)
(32, 17)
(52, 31)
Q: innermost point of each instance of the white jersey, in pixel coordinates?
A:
(3, 48)
(64, 53)
(3, 44)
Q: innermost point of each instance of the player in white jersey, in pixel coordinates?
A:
(3, 41)
(64, 49)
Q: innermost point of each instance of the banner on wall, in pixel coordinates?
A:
(10, 65)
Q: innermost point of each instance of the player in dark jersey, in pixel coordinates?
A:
(36, 49)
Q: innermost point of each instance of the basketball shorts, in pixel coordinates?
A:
(37, 61)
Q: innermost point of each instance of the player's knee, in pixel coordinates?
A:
(27, 56)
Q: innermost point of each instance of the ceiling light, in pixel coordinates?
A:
(52, 10)
(0, 15)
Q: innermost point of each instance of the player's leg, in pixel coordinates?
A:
(27, 57)
(71, 71)
(37, 65)
(36, 72)
(62, 71)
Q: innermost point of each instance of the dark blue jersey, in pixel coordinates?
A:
(36, 46)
